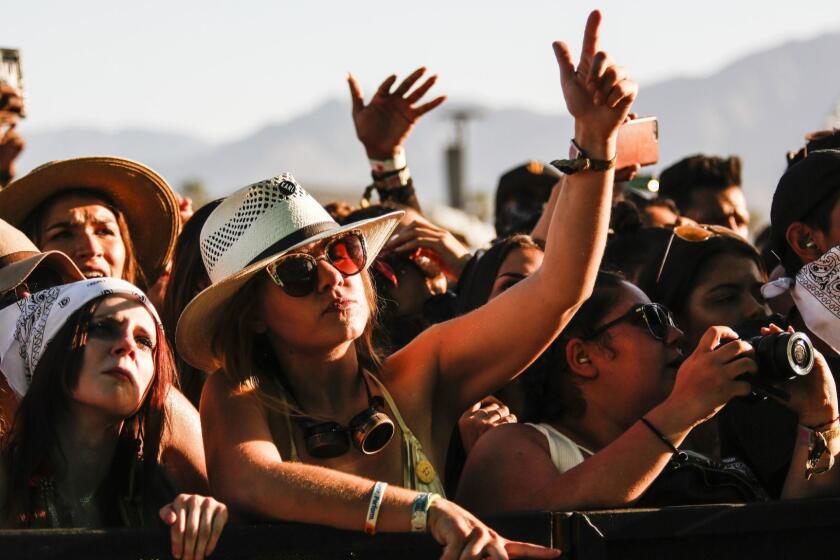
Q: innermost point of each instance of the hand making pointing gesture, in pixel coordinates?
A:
(598, 93)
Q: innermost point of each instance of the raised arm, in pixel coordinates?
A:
(383, 125)
(481, 351)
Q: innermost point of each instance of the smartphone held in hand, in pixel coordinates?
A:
(638, 142)
(10, 72)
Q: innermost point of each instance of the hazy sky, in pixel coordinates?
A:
(221, 70)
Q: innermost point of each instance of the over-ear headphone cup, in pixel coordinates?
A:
(372, 429)
(325, 440)
(375, 434)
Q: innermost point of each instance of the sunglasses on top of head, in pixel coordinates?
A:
(297, 273)
(654, 316)
(694, 234)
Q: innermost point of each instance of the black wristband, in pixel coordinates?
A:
(664, 440)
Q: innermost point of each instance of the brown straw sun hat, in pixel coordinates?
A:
(246, 232)
(19, 258)
(144, 197)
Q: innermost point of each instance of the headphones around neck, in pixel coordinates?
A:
(370, 431)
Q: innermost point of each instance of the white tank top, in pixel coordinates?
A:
(565, 454)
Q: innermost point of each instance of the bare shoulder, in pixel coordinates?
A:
(514, 439)
(514, 457)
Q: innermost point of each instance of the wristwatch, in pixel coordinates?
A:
(580, 161)
(819, 460)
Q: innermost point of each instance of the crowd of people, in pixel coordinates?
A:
(360, 367)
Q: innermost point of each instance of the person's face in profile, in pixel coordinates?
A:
(519, 263)
(727, 208)
(635, 371)
(727, 292)
(84, 228)
(119, 358)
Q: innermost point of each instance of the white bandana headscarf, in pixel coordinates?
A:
(26, 327)
(816, 293)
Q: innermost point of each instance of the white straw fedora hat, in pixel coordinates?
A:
(246, 232)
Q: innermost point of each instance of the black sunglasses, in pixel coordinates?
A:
(297, 273)
(656, 317)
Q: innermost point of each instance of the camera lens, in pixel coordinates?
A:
(800, 354)
(783, 356)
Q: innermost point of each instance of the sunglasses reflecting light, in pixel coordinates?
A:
(297, 273)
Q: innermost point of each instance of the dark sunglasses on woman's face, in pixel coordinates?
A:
(654, 316)
(297, 273)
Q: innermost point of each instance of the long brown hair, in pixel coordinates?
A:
(132, 272)
(29, 449)
(248, 360)
(187, 278)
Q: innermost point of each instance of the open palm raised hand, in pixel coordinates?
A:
(383, 124)
(598, 93)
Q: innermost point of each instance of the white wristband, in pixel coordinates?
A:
(420, 511)
(395, 163)
(375, 505)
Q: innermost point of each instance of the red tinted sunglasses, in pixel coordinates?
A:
(297, 273)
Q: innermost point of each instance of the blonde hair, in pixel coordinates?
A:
(248, 360)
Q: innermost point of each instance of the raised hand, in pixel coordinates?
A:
(450, 254)
(11, 104)
(383, 124)
(11, 145)
(598, 93)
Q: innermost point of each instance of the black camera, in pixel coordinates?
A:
(780, 356)
(783, 356)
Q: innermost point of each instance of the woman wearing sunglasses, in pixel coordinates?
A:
(625, 399)
(288, 319)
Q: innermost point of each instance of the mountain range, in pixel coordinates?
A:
(759, 107)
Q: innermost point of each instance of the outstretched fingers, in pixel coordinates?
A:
(407, 83)
(591, 39)
(564, 61)
(426, 107)
(356, 95)
(385, 87)
(415, 95)
(516, 549)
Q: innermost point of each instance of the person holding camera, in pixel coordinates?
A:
(620, 404)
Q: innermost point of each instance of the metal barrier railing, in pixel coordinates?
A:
(794, 529)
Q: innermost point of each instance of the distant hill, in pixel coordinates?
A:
(759, 107)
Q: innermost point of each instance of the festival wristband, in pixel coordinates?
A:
(420, 511)
(396, 163)
(375, 505)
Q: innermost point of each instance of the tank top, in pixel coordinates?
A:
(418, 472)
(565, 453)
